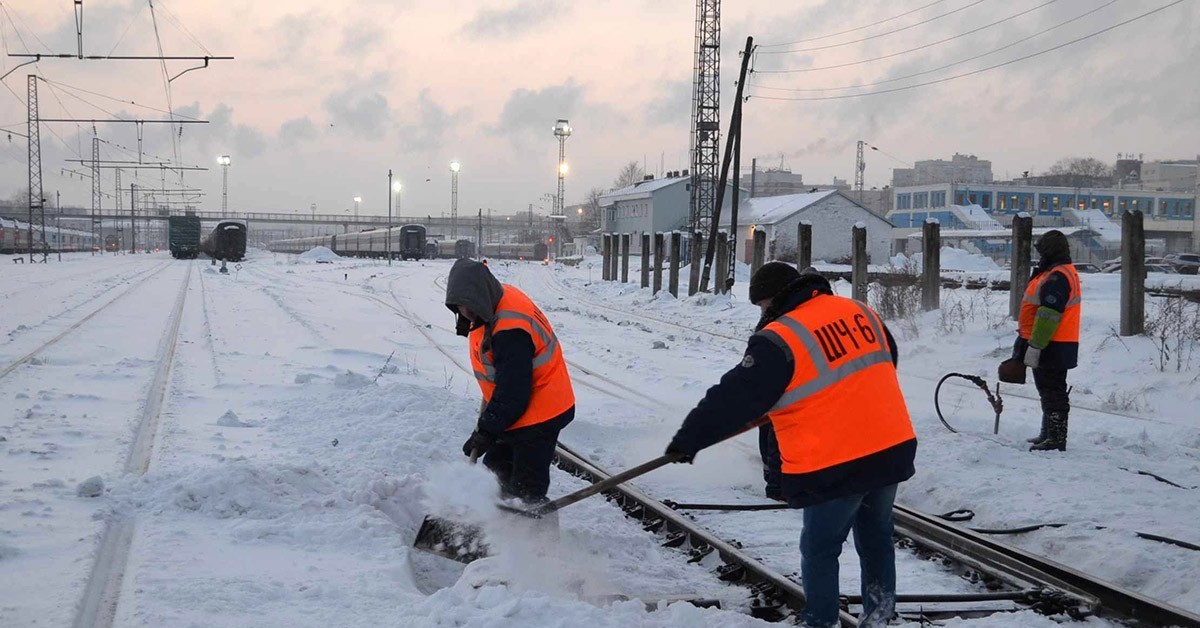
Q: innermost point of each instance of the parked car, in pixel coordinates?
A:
(1165, 269)
(1111, 268)
(1185, 263)
(1087, 267)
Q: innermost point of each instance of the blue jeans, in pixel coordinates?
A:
(826, 526)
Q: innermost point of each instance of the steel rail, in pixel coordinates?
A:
(773, 595)
(1032, 581)
(1108, 599)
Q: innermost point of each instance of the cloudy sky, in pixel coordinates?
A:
(324, 97)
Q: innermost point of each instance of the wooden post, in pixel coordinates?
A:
(1133, 274)
(759, 253)
(721, 273)
(658, 262)
(1022, 246)
(931, 272)
(697, 258)
(607, 251)
(624, 258)
(615, 258)
(858, 274)
(645, 259)
(673, 276)
(803, 245)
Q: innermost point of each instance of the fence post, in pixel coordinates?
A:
(624, 258)
(1018, 278)
(606, 247)
(931, 271)
(759, 254)
(658, 262)
(673, 277)
(858, 274)
(803, 245)
(615, 258)
(721, 272)
(1133, 274)
(697, 260)
(645, 260)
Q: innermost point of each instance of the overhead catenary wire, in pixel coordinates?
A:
(877, 35)
(857, 28)
(112, 98)
(918, 48)
(941, 67)
(981, 70)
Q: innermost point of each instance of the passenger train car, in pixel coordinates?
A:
(226, 242)
(407, 242)
(14, 238)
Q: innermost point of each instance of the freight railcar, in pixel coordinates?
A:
(535, 251)
(406, 242)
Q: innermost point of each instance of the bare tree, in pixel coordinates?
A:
(630, 174)
(1081, 166)
(591, 211)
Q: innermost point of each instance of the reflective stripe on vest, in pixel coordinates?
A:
(843, 401)
(552, 393)
(1068, 325)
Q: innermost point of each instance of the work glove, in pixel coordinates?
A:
(1012, 371)
(1033, 356)
(675, 448)
(479, 442)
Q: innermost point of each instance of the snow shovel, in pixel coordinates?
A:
(465, 543)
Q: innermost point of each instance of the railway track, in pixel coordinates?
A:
(49, 343)
(98, 607)
(1014, 579)
(1008, 579)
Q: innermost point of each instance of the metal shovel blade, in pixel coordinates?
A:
(456, 541)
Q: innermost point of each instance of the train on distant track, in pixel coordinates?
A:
(226, 242)
(14, 238)
(406, 242)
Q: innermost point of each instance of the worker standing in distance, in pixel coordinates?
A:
(822, 368)
(1048, 337)
(519, 365)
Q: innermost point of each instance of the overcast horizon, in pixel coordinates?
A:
(323, 99)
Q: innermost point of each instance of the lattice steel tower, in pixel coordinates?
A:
(37, 204)
(860, 168)
(706, 117)
(96, 195)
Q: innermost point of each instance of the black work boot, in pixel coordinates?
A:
(1056, 437)
(1042, 434)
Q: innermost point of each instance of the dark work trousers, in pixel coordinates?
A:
(521, 460)
(768, 448)
(1052, 388)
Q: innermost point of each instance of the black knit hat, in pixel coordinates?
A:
(771, 279)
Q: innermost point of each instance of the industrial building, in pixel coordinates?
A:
(832, 215)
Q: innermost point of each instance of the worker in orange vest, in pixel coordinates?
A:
(518, 363)
(822, 368)
(1048, 337)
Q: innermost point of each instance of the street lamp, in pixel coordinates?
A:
(454, 168)
(562, 130)
(387, 239)
(357, 202)
(224, 161)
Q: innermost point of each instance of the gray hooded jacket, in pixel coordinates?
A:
(473, 286)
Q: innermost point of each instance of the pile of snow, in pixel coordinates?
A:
(952, 259)
(320, 255)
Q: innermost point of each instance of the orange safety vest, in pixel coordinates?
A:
(1068, 326)
(552, 393)
(843, 402)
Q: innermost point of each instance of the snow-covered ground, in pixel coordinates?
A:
(315, 412)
